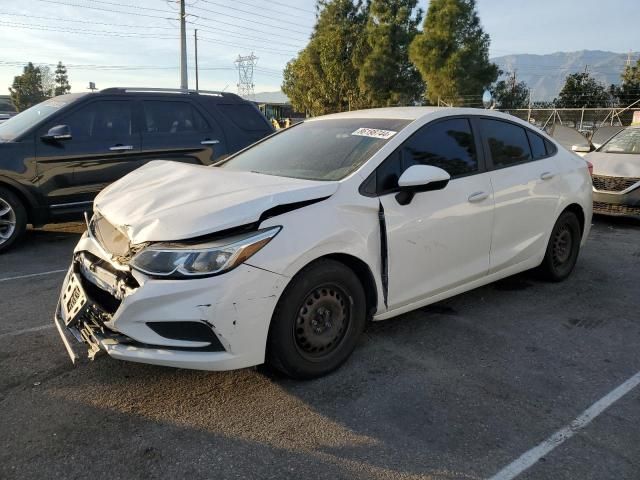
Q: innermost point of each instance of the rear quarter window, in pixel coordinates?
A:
(245, 117)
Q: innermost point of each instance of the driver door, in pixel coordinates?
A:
(442, 238)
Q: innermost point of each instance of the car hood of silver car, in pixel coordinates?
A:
(615, 164)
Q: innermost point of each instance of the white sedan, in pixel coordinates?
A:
(284, 251)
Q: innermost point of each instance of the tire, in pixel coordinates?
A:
(13, 219)
(563, 248)
(317, 321)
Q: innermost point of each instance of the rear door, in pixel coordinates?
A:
(176, 129)
(442, 238)
(527, 185)
(104, 146)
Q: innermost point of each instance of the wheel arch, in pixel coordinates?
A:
(26, 199)
(361, 269)
(578, 211)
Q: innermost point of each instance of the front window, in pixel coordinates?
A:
(627, 141)
(318, 150)
(16, 126)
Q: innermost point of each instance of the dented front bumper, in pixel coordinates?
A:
(216, 323)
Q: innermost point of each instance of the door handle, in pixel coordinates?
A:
(546, 176)
(209, 142)
(120, 148)
(478, 197)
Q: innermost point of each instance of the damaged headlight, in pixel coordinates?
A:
(178, 260)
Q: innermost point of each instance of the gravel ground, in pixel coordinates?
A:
(455, 390)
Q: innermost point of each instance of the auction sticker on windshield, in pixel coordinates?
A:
(374, 133)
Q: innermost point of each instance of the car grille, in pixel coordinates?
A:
(615, 209)
(613, 184)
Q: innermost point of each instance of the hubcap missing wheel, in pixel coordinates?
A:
(322, 321)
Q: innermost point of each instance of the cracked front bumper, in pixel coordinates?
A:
(237, 306)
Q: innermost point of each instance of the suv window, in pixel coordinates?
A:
(245, 117)
(447, 144)
(507, 142)
(172, 117)
(108, 119)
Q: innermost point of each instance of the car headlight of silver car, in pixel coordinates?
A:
(181, 260)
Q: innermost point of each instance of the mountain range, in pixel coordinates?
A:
(545, 74)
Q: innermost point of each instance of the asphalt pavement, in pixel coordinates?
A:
(457, 390)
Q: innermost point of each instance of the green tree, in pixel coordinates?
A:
(27, 89)
(452, 52)
(582, 90)
(511, 94)
(629, 89)
(62, 80)
(323, 77)
(387, 76)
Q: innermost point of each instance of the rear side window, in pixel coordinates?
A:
(538, 149)
(507, 142)
(244, 116)
(172, 118)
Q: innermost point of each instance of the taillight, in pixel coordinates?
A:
(590, 167)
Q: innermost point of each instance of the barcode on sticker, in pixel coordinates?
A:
(374, 133)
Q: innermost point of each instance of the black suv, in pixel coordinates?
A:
(56, 156)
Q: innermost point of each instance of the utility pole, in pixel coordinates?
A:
(195, 38)
(183, 47)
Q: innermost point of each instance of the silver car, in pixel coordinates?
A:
(616, 174)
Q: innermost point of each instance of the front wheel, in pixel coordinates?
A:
(562, 249)
(318, 321)
(13, 219)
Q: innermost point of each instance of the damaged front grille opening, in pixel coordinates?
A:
(103, 304)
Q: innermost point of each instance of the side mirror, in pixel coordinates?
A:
(57, 133)
(580, 148)
(420, 178)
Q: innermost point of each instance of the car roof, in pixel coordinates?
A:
(414, 113)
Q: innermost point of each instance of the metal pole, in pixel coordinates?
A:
(195, 38)
(183, 48)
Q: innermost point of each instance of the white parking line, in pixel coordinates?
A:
(26, 330)
(31, 275)
(532, 456)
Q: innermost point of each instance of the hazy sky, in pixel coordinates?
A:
(135, 43)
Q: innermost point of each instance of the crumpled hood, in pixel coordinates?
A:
(165, 201)
(615, 164)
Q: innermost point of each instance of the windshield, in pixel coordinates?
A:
(318, 150)
(627, 141)
(16, 126)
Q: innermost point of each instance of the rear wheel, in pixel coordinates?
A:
(562, 249)
(13, 219)
(318, 321)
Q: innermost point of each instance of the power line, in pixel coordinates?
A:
(235, 9)
(221, 42)
(58, 19)
(28, 26)
(247, 20)
(262, 7)
(291, 6)
(110, 10)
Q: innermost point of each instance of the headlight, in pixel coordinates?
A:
(176, 260)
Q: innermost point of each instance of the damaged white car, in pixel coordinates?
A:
(285, 250)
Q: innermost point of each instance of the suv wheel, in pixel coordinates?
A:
(562, 249)
(13, 219)
(318, 321)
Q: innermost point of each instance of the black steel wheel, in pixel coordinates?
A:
(318, 320)
(563, 248)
